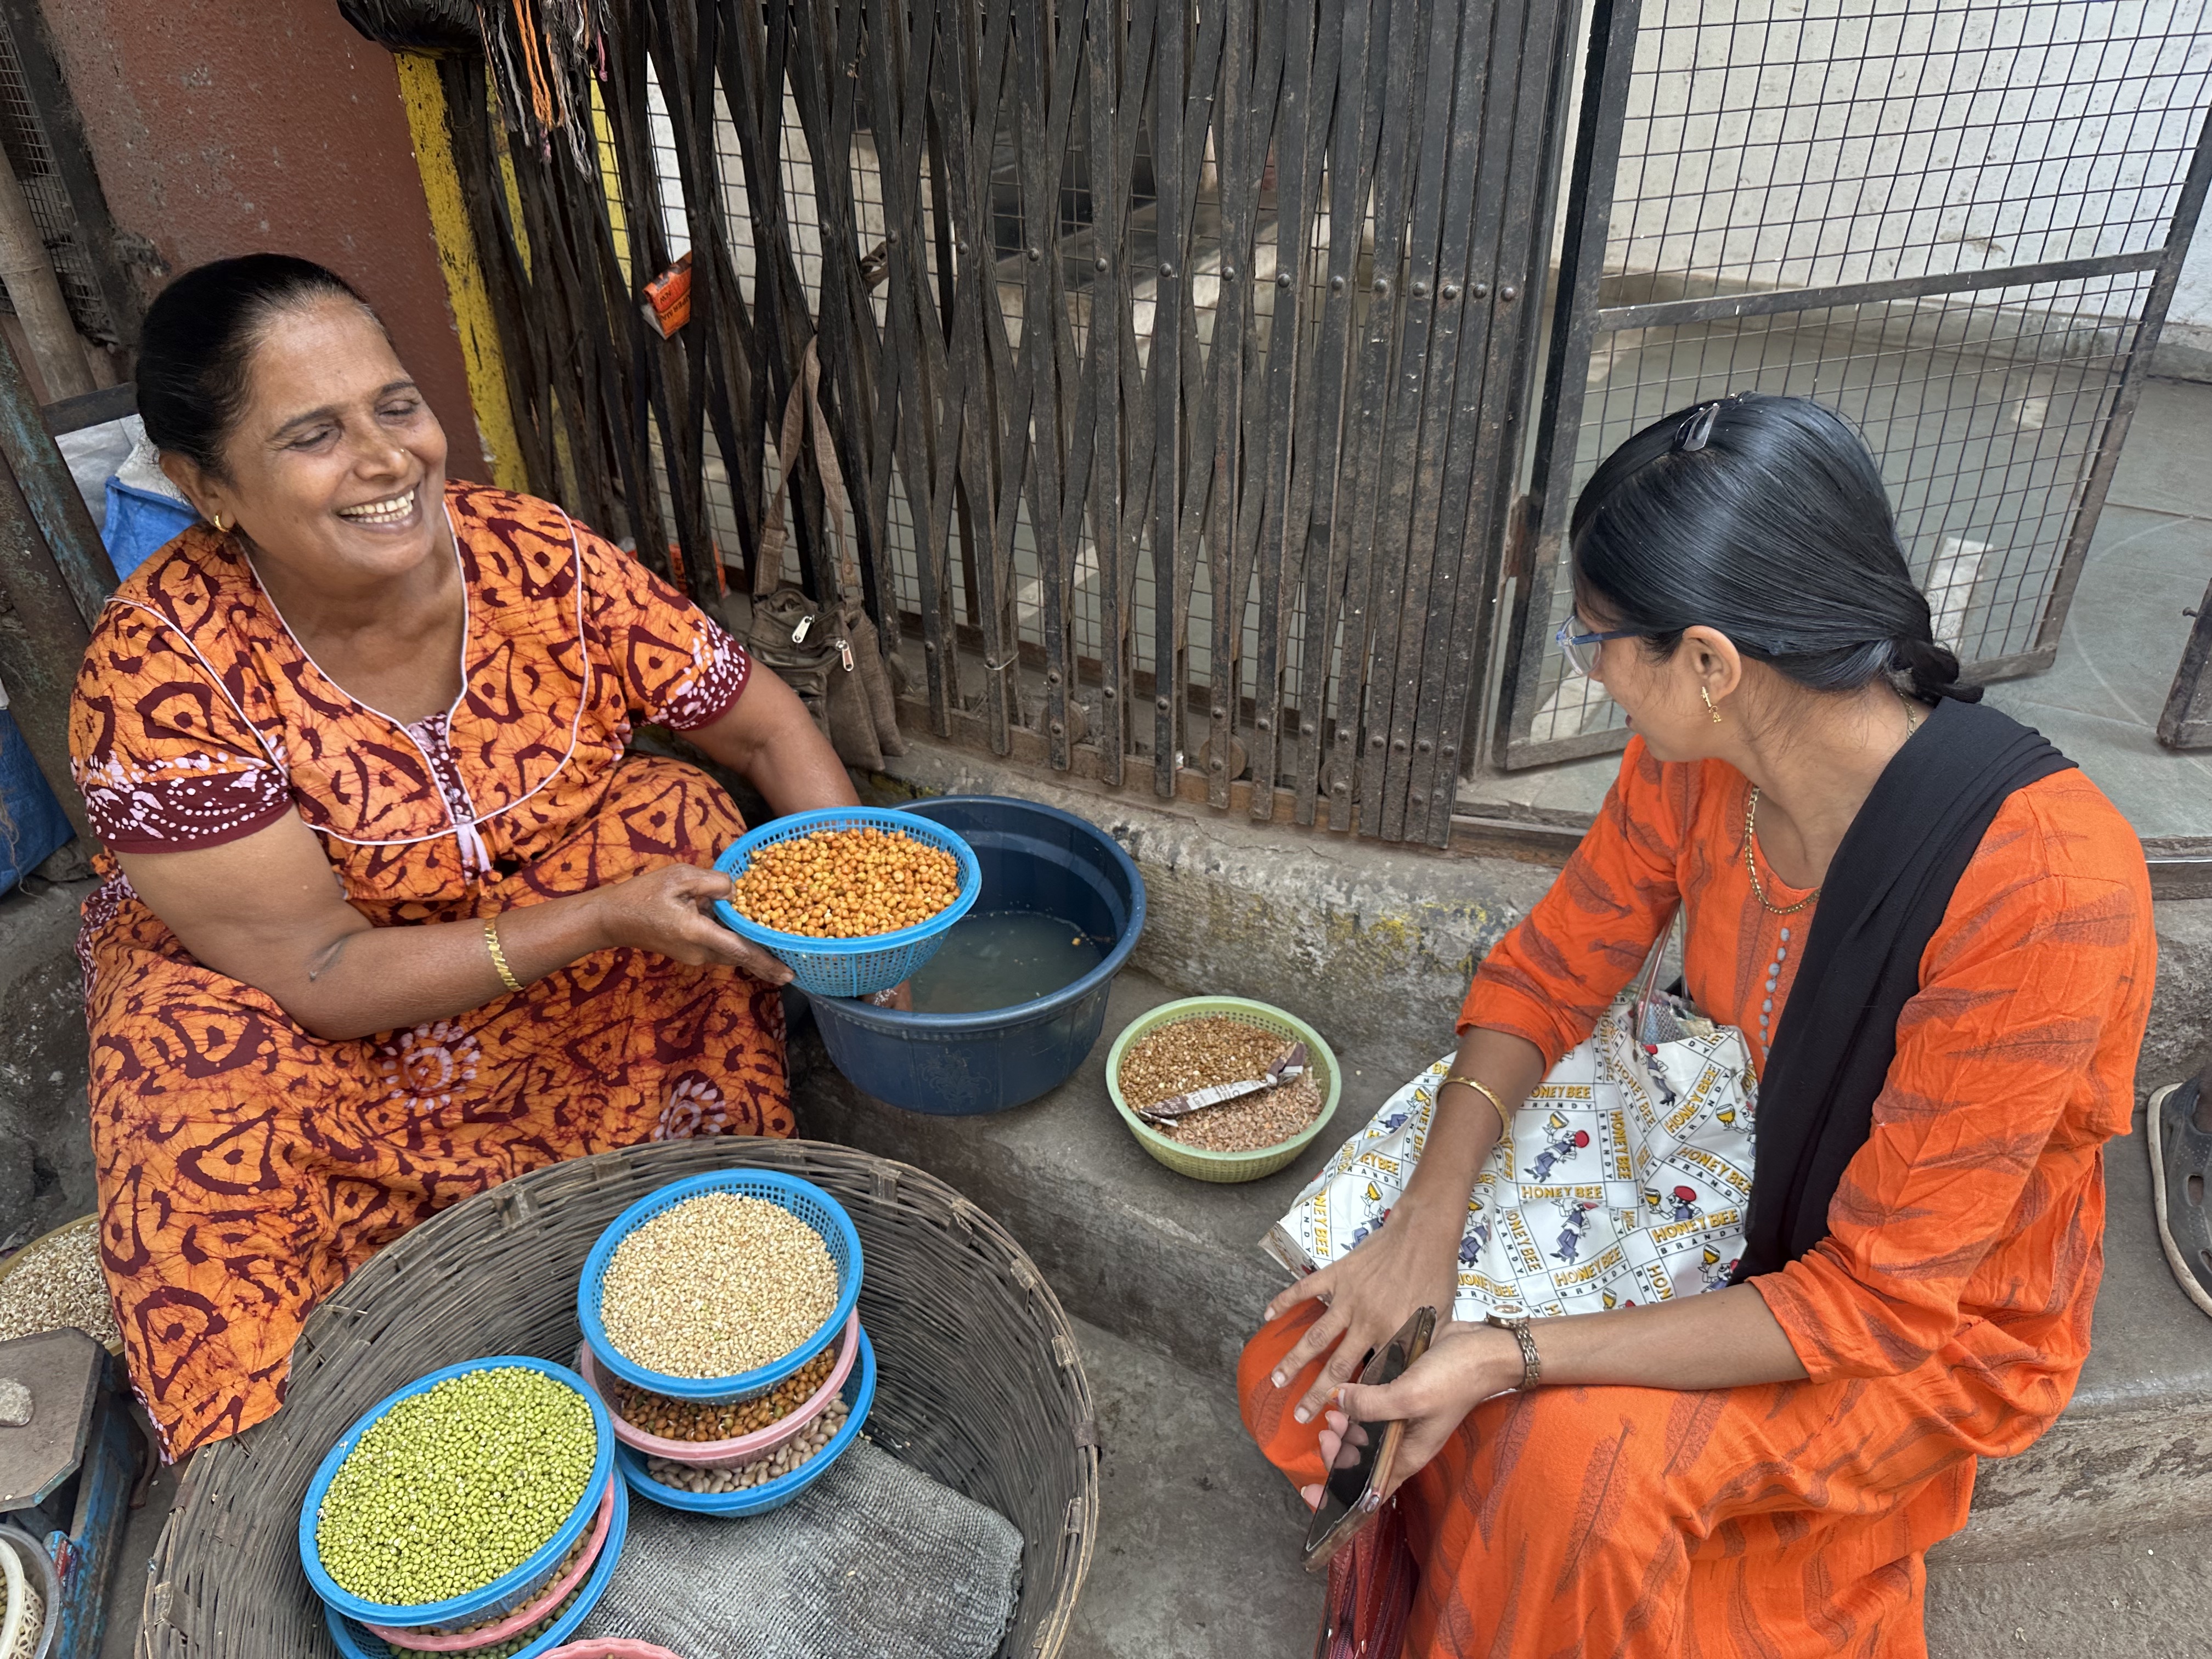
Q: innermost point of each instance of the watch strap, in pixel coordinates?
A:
(1532, 1365)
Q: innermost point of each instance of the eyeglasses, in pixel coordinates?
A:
(1578, 649)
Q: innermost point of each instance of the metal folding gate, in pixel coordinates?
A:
(1175, 351)
(1959, 223)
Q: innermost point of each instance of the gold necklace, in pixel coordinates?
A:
(1751, 828)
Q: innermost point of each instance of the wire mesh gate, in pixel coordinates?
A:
(43, 144)
(1176, 351)
(1959, 224)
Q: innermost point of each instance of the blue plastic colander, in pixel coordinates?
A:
(803, 1200)
(512, 1589)
(852, 967)
(354, 1642)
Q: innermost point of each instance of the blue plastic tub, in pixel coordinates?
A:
(512, 1589)
(803, 1200)
(31, 822)
(850, 967)
(355, 1642)
(859, 1392)
(1033, 858)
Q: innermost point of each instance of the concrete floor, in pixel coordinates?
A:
(1198, 1538)
(2144, 1597)
(2149, 562)
(1198, 1551)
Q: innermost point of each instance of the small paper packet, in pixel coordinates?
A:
(1288, 1065)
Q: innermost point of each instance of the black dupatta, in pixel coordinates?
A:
(1885, 895)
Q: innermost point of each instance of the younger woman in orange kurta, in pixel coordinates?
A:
(1757, 1471)
(347, 965)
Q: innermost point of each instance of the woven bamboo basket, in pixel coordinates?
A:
(980, 1385)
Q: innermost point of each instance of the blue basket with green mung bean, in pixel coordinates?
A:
(462, 1497)
(355, 1641)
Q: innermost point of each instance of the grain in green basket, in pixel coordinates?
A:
(1268, 1118)
(1186, 1055)
(453, 1486)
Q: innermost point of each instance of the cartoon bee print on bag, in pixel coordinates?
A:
(1562, 1140)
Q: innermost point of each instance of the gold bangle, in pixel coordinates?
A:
(1504, 1119)
(499, 958)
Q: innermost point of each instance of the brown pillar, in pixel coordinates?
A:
(221, 127)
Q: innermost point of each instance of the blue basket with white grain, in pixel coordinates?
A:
(804, 1200)
(852, 967)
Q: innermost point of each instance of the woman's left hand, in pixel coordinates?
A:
(1465, 1366)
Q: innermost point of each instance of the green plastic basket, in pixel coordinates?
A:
(1227, 1167)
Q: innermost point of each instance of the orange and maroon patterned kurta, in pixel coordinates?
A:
(1945, 1317)
(245, 1166)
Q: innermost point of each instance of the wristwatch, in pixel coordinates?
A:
(1532, 1366)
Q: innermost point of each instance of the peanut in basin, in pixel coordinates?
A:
(705, 1420)
(846, 883)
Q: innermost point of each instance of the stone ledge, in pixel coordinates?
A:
(1129, 1245)
(2134, 1450)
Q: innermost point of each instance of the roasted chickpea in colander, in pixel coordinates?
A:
(846, 883)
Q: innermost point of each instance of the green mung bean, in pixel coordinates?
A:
(455, 1486)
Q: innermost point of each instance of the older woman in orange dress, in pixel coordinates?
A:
(389, 914)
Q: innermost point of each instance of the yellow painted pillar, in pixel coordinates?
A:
(424, 96)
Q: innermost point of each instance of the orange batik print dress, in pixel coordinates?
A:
(247, 1167)
(1944, 1319)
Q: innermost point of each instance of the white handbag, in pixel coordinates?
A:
(1625, 1178)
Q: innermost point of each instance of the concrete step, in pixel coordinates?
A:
(2146, 1595)
(1129, 1245)
(2133, 1452)
(1173, 1265)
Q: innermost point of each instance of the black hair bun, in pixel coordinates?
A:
(1934, 670)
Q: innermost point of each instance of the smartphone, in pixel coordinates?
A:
(1351, 1495)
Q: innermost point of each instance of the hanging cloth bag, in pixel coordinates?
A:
(828, 652)
(1624, 1178)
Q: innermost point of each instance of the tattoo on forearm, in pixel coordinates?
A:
(323, 961)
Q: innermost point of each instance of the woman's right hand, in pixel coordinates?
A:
(666, 911)
(1410, 1262)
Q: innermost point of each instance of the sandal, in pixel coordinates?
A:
(2181, 1182)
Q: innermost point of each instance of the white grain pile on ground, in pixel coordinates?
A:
(715, 1285)
(57, 1282)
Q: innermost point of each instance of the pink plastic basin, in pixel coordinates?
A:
(733, 1454)
(423, 1641)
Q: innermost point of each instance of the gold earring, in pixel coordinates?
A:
(216, 519)
(1710, 709)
